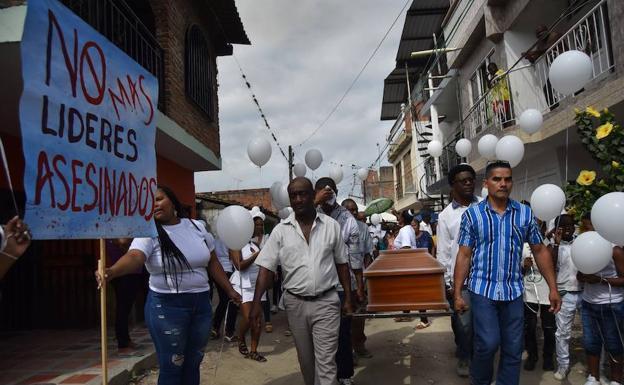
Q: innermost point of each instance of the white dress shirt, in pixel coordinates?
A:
(447, 247)
(309, 269)
(405, 238)
(566, 270)
(424, 226)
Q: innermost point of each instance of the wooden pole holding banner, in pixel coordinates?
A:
(103, 337)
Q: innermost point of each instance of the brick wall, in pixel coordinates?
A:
(253, 197)
(173, 19)
(373, 182)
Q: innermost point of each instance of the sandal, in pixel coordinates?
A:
(423, 325)
(256, 357)
(242, 348)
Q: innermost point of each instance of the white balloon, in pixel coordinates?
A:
(570, 71)
(259, 151)
(299, 169)
(362, 174)
(434, 148)
(591, 252)
(255, 209)
(547, 201)
(283, 198)
(375, 219)
(511, 149)
(607, 216)
(531, 121)
(274, 190)
(336, 174)
(235, 227)
(487, 146)
(484, 192)
(463, 147)
(285, 212)
(313, 158)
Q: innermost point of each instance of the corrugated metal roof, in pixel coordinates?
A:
(230, 21)
(423, 19)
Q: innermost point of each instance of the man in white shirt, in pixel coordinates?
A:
(425, 223)
(461, 178)
(309, 247)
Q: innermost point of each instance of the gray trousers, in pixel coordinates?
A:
(315, 325)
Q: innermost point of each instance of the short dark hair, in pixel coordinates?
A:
(407, 217)
(494, 165)
(348, 200)
(325, 181)
(459, 169)
(563, 218)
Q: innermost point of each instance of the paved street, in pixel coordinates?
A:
(401, 356)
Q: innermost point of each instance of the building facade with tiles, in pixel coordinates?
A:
(456, 86)
(178, 42)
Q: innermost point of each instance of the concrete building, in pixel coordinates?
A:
(379, 184)
(407, 138)
(456, 84)
(178, 42)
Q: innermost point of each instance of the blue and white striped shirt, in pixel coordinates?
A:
(496, 241)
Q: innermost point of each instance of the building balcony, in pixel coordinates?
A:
(400, 136)
(118, 23)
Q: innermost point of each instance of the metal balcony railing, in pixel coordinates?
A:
(590, 35)
(118, 23)
(430, 172)
(495, 108)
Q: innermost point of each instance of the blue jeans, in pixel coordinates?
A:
(462, 328)
(180, 327)
(496, 324)
(602, 323)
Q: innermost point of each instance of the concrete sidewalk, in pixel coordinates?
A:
(68, 357)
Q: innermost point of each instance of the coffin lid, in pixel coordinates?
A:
(404, 262)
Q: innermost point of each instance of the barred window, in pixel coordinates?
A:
(199, 71)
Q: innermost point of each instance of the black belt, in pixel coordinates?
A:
(311, 297)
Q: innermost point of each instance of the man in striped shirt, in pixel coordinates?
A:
(491, 238)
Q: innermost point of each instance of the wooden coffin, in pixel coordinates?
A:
(407, 279)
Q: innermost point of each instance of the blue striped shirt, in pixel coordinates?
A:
(496, 241)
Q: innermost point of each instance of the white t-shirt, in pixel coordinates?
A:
(223, 254)
(598, 293)
(424, 226)
(566, 270)
(194, 242)
(536, 288)
(249, 275)
(405, 238)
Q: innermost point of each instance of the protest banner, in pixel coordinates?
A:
(88, 122)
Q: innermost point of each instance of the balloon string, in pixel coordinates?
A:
(566, 156)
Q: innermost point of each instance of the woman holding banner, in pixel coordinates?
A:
(178, 311)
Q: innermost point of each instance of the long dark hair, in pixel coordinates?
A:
(173, 260)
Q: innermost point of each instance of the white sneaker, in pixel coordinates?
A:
(561, 374)
(273, 309)
(346, 381)
(591, 380)
(615, 383)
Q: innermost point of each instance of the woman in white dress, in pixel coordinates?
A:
(244, 282)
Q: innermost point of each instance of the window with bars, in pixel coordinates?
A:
(199, 72)
(407, 172)
(399, 180)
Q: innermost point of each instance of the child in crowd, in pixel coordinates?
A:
(602, 315)
(569, 289)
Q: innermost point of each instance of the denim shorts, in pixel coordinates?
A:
(603, 324)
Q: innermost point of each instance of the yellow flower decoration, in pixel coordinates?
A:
(604, 131)
(605, 111)
(615, 164)
(592, 111)
(577, 111)
(586, 178)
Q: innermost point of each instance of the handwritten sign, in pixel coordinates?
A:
(87, 116)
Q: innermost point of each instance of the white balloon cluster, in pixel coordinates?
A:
(235, 227)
